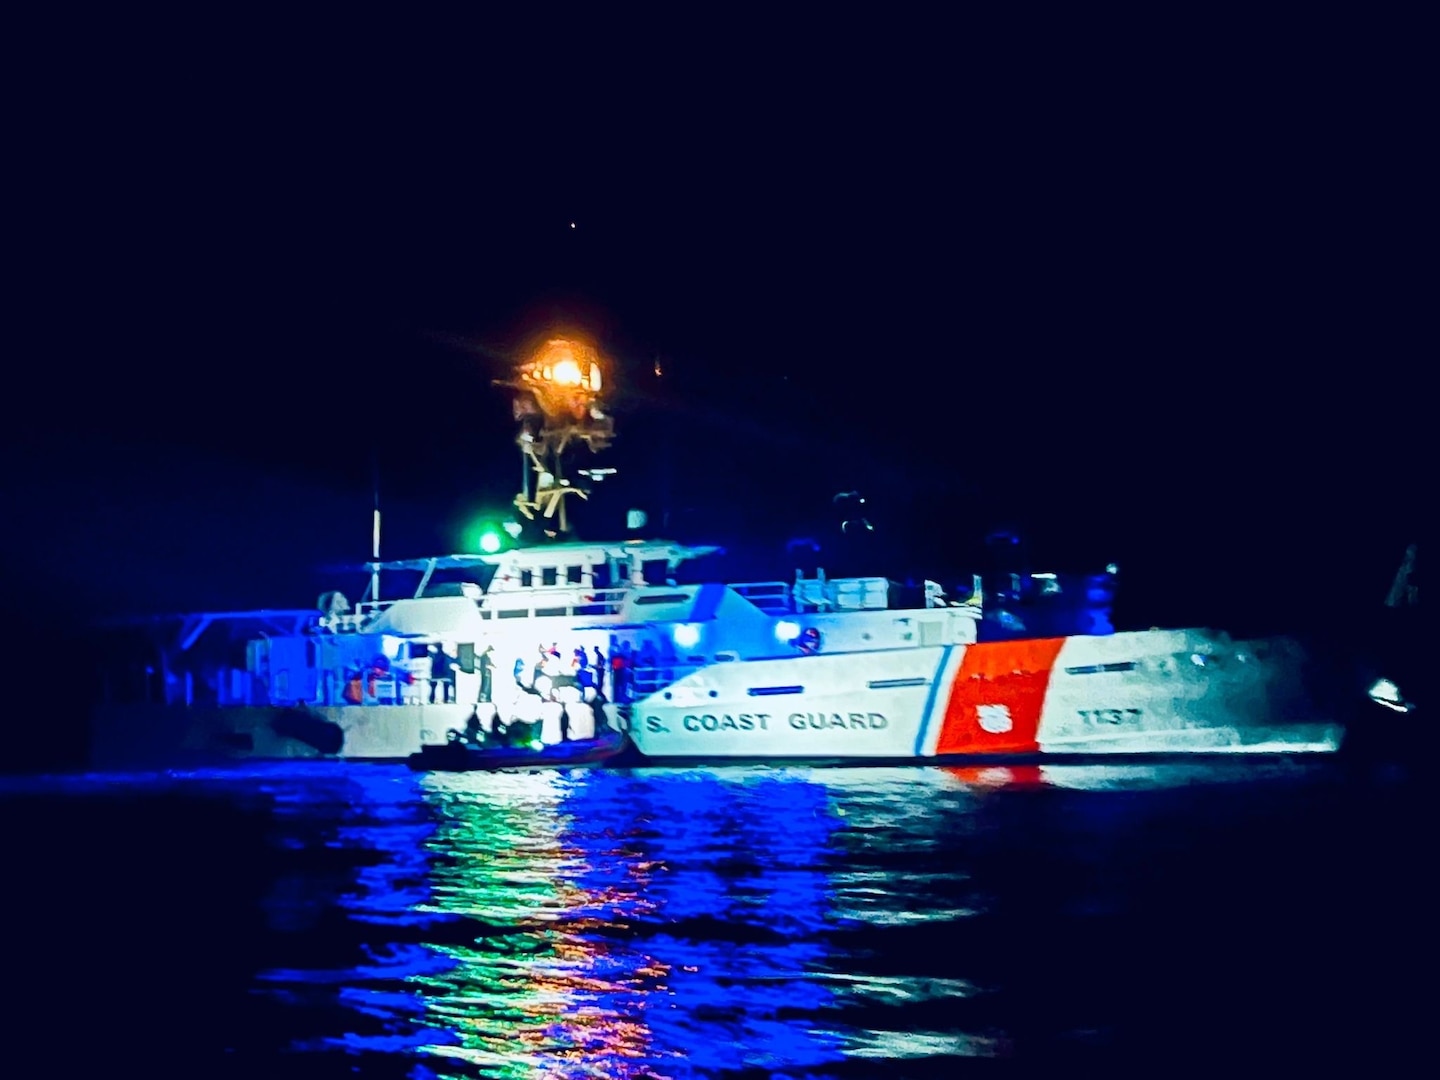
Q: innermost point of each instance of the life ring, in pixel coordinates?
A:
(809, 641)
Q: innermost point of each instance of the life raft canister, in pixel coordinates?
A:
(352, 692)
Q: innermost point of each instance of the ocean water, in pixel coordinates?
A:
(325, 920)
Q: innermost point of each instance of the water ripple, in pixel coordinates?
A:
(722, 922)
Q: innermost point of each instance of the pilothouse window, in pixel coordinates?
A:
(548, 576)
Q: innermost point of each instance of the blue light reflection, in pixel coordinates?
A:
(627, 949)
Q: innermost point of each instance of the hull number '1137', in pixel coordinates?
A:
(1110, 716)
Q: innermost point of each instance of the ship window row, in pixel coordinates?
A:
(550, 576)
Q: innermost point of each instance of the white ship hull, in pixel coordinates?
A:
(1145, 693)
(1151, 692)
(151, 736)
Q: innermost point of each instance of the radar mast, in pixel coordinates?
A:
(557, 405)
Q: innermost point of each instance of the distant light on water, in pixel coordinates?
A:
(1385, 692)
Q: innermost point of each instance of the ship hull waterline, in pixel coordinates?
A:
(1151, 694)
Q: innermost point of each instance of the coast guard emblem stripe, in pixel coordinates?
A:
(997, 697)
(927, 718)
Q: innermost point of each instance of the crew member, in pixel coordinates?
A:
(486, 663)
(442, 675)
(599, 673)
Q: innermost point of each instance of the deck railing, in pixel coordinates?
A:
(540, 600)
(773, 597)
(552, 600)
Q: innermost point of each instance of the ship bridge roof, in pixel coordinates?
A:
(568, 554)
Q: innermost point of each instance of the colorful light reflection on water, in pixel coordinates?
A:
(562, 984)
(316, 920)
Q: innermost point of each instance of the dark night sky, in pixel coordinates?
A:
(1151, 303)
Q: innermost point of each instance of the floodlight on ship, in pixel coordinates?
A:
(565, 378)
(557, 405)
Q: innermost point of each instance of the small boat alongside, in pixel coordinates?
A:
(460, 755)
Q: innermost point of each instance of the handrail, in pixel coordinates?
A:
(766, 595)
(747, 588)
(647, 679)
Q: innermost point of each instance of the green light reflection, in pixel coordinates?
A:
(535, 994)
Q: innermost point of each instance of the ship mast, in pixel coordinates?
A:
(557, 405)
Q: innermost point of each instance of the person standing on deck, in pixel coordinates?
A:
(599, 673)
(442, 675)
(620, 671)
(486, 664)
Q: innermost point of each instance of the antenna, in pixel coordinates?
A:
(375, 524)
(1402, 592)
